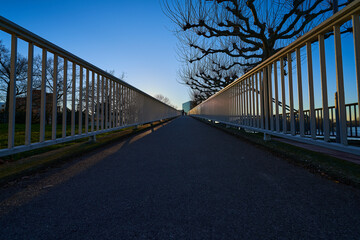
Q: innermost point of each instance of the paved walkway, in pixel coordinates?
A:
(184, 180)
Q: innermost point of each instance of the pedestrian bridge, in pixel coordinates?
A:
(182, 179)
(68, 98)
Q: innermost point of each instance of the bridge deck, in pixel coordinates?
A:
(184, 180)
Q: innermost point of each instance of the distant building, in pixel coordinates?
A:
(36, 104)
(188, 106)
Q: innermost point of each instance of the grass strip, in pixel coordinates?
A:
(22, 164)
(327, 166)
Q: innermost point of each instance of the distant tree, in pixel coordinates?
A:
(221, 39)
(21, 74)
(50, 76)
(164, 99)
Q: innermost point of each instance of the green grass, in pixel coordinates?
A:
(35, 133)
(333, 168)
(24, 163)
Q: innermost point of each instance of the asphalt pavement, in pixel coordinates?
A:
(182, 180)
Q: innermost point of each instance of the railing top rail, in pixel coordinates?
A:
(339, 18)
(24, 34)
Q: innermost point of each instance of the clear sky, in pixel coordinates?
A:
(126, 36)
(135, 37)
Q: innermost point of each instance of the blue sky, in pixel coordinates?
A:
(126, 36)
(135, 37)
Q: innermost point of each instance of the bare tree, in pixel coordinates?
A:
(164, 99)
(21, 74)
(240, 33)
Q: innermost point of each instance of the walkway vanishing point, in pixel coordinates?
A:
(183, 180)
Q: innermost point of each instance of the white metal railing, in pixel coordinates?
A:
(99, 101)
(252, 101)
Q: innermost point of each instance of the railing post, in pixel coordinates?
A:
(80, 99)
(73, 99)
(277, 122)
(87, 101)
(29, 94)
(93, 103)
(12, 96)
(43, 96)
(64, 120)
(300, 93)
(291, 95)
(261, 83)
(253, 100)
(356, 32)
(283, 100)
(257, 100)
(324, 88)
(270, 105)
(97, 102)
(311, 91)
(54, 99)
(338, 136)
(340, 85)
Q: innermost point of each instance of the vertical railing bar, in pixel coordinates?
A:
(311, 91)
(252, 105)
(118, 104)
(250, 100)
(122, 104)
(106, 102)
(248, 96)
(356, 33)
(246, 90)
(231, 116)
(80, 99)
(115, 103)
(87, 101)
(102, 102)
(110, 103)
(271, 114)
(300, 93)
(253, 100)
(277, 122)
(240, 102)
(321, 122)
(283, 100)
(340, 85)
(317, 122)
(64, 99)
(113, 112)
(73, 99)
(29, 94)
(350, 119)
(291, 95)
(54, 99)
(266, 97)
(43, 96)
(356, 125)
(97, 102)
(332, 121)
(324, 88)
(92, 100)
(126, 117)
(257, 100)
(262, 97)
(12, 96)
(244, 103)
